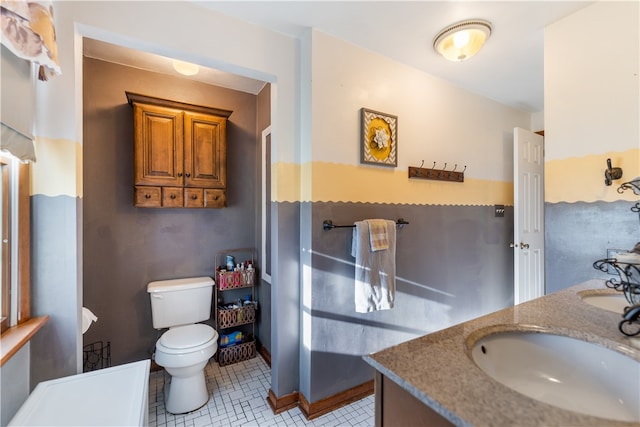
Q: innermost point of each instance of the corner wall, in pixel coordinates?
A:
(453, 259)
(592, 105)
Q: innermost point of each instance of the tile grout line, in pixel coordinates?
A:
(232, 390)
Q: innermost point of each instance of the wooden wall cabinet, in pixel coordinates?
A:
(180, 154)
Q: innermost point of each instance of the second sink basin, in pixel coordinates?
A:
(562, 371)
(610, 302)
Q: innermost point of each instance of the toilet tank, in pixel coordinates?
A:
(180, 301)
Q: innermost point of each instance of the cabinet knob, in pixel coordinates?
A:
(194, 197)
(179, 173)
(216, 197)
(147, 196)
(173, 196)
(187, 174)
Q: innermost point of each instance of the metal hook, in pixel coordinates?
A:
(453, 170)
(441, 174)
(465, 168)
(434, 166)
(419, 170)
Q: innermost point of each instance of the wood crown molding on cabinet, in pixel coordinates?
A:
(146, 99)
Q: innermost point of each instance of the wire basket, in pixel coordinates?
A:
(235, 279)
(228, 318)
(96, 355)
(237, 352)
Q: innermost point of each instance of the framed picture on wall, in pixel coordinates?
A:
(379, 139)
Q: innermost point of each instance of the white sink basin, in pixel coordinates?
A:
(565, 372)
(611, 302)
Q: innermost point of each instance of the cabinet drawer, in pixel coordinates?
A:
(172, 197)
(214, 198)
(193, 198)
(148, 197)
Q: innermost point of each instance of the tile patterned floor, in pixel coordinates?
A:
(238, 398)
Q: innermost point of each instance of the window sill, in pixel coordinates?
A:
(15, 337)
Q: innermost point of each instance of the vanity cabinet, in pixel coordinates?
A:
(180, 154)
(394, 406)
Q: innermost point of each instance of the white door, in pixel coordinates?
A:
(528, 245)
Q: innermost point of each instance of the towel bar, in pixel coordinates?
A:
(327, 224)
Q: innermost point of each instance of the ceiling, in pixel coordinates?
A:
(509, 68)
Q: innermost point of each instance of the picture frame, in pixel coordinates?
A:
(379, 138)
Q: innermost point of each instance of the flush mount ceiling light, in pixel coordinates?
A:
(185, 68)
(463, 39)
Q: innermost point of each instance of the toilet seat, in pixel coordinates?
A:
(189, 338)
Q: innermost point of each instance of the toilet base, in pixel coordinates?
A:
(182, 395)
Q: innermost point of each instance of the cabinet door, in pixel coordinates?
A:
(205, 150)
(159, 148)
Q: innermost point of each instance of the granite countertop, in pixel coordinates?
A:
(437, 370)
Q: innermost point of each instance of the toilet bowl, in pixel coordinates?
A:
(186, 347)
(183, 352)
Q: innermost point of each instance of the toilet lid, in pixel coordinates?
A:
(183, 337)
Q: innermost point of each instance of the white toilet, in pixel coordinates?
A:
(187, 346)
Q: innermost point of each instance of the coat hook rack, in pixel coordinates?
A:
(437, 174)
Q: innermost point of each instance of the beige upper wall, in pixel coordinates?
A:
(591, 72)
(592, 102)
(437, 121)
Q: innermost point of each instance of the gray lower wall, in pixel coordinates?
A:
(577, 234)
(55, 275)
(125, 247)
(14, 376)
(285, 298)
(453, 263)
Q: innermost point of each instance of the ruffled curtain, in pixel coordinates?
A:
(28, 31)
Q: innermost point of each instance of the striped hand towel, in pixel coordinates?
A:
(378, 236)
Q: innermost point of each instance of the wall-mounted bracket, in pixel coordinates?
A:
(611, 174)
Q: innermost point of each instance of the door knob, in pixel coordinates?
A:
(512, 245)
(524, 245)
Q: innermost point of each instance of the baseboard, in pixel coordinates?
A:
(321, 407)
(262, 350)
(284, 403)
